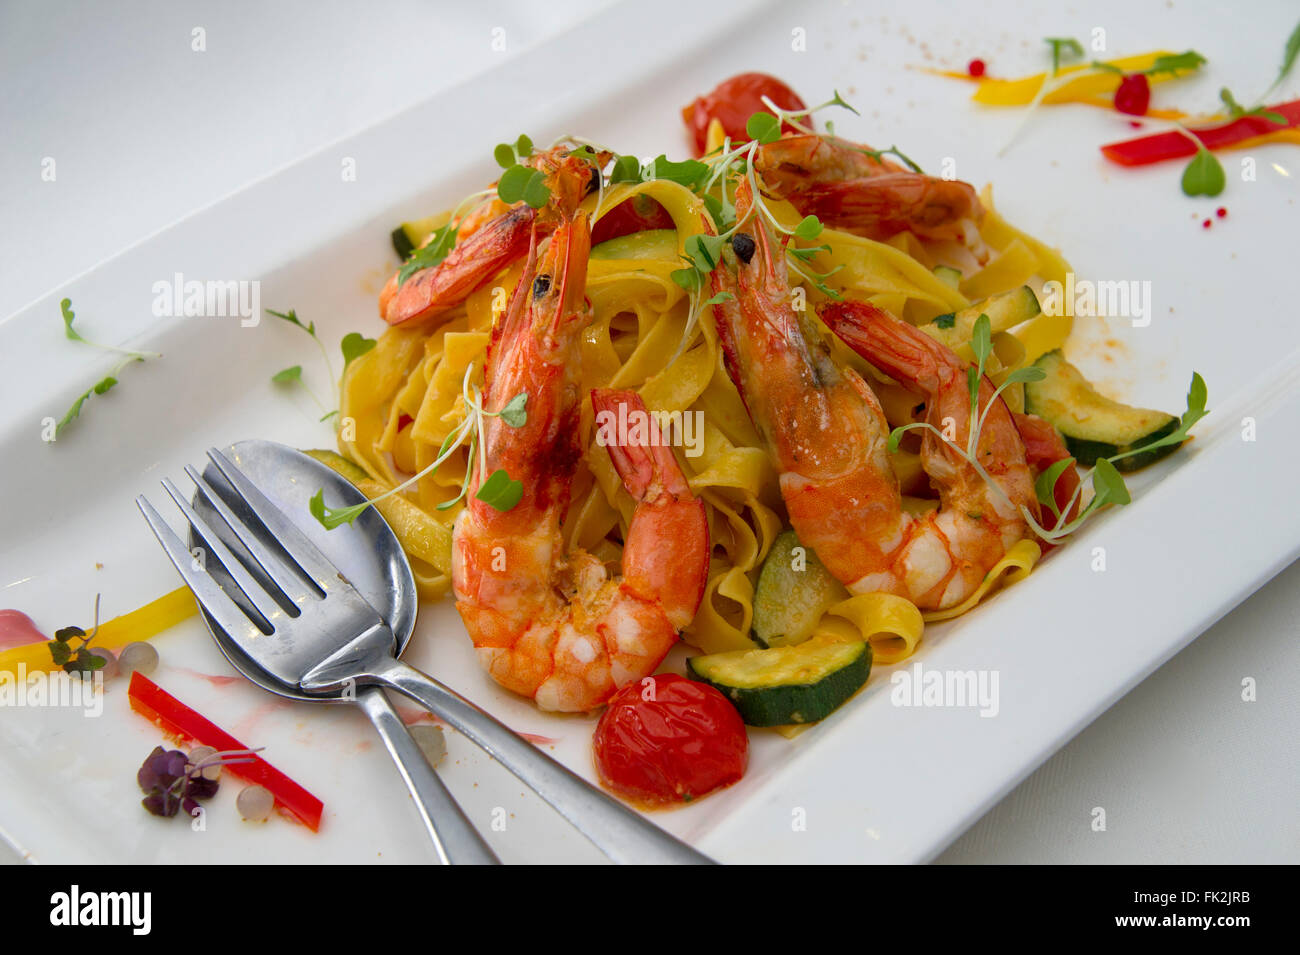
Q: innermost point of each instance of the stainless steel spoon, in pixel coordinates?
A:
(372, 559)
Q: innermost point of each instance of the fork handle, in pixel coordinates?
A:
(621, 833)
(455, 840)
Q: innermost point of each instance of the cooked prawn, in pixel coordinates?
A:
(847, 188)
(828, 437)
(551, 625)
(489, 239)
(1043, 448)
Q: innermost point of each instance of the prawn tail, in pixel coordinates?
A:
(666, 552)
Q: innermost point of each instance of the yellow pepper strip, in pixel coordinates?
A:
(141, 624)
(1106, 102)
(1093, 83)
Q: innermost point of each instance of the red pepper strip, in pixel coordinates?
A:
(177, 719)
(1161, 146)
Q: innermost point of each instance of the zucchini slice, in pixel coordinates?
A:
(1093, 425)
(948, 275)
(409, 236)
(1005, 310)
(344, 466)
(647, 244)
(786, 685)
(793, 592)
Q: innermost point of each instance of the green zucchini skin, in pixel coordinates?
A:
(1094, 426)
(409, 236)
(785, 693)
(1089, 453)
(788, 603)
(402, 244)
(948, 275)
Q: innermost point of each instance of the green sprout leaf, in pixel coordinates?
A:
(717, 212)
(332, 517)
(1062, 45)
(355, 345)
(879, 154)
(763, 127)
(625, 169)
(291, 317)
(513, 182)
(1289, 54)
(1204, 175)
(291, 374)
(806, 255)
(690, 173)
(500, 491)
(704, 250)
(504, 154)
(838, 100)
(100, 387)
(1109, 484)
(523, 184)
(688, 279)
(536, 192)
(69, 317)
(946, 321)
(1175, 63)
(1045, 484)
(515, 413)
(1238, 111)
(981, 342)
(809, 227)
(718, 299)
(1197, 395)
(1026, 374)
(429, 254)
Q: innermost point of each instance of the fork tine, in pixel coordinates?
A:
(209, 594)
(254, 591)
(295, 543)
(280, 573)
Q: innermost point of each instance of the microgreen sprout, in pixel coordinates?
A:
(353, 346)
(79, 659)
(1237, 111)
(173, 781)
(1107, 483)
(519, 181)
(104, 384)
(497, 490)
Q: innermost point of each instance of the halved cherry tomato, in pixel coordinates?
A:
(633, 215)
(669, 739)
(733, 102)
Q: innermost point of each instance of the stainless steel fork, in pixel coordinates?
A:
(313, 630)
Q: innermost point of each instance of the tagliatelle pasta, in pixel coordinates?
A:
(402, 399)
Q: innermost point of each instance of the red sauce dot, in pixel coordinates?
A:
(1221, 212)
(1206, 224)
(1135, 124)
(975, 67)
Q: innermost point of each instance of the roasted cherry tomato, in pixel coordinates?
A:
(733, 102)
(633, 215)
(669, 739)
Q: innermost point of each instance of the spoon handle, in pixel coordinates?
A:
(620, 832)
(455, 840)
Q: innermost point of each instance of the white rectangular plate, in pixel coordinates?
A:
(874, 783)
